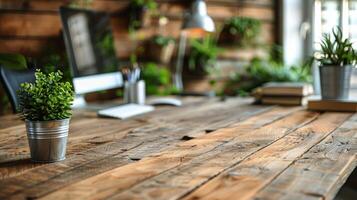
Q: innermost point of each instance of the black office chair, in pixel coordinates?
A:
(11, 80)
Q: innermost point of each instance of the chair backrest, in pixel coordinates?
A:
(11, 80)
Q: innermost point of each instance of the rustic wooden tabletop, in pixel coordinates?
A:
(206, 149)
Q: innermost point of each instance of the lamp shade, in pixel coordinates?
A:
(198, 18)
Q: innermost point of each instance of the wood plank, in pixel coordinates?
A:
(161, 133)
(264, 14)
(28, 47)
(258, 170)
(15, 148)
(9, 120)
(262, 3)
(176, 182)
(124, 177)
(222, 12)
(33, 5)
(86, 164)
(325, 168)
(110, 5)
(30, 25)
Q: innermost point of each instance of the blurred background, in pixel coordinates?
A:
(255, 41)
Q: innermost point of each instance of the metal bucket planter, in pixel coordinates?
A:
(335, 81)
(47, 139)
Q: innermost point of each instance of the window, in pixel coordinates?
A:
(331, 13)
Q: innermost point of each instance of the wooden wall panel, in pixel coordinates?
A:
(26, 26)
(29, 25)
(264, 14)
(32, 5)
(28, 47)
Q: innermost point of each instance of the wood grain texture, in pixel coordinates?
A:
(325, 167)
(177, 182)
(30, 25)
(160, 131)
(118, 179)
(207, 149)
(248, 177)
(25, 46)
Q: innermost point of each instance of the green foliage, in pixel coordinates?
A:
(157, 80)
(81, 4)
(46, 99)
(52, 58)
(263, 71)
(106, 45)
(150, 4)
(137, 7)
(107, 50)
(276, 53)
(244, 27)
(162, 40)
(335, 50)
(203, 53)
(13, 61)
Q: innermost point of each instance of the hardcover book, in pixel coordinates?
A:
(286, 89)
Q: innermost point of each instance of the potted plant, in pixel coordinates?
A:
(140, 11)
(157, 79)
(161, 48)
(337, 59)
(240, 31)
(201, 63)
(46, 108)
(202, 56)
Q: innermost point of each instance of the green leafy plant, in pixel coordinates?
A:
(47, 99)
(245, 28)
(150, 4)
(157, 79)
(335, 50)
(106, 48)
(137, 12)
(203, 53)
(162, 40)
(262, 71)
(13, 61)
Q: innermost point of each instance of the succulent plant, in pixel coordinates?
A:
(336, 50)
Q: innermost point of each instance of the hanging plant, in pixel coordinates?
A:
(240, 30)
(140, 13)
(161, 48)
(203, 55)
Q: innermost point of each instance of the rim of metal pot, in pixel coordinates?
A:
(55, 120)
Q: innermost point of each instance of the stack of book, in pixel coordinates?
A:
(283, 93)
(318, 104)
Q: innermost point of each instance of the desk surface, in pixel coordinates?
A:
(207, 149)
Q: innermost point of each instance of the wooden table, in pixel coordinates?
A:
(207, 149)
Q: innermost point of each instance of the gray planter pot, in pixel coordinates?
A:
(335, 81)
(47, 139)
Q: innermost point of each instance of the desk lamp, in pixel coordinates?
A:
(196, 23)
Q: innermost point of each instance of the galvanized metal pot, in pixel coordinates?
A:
(47, 139)
(335, 81)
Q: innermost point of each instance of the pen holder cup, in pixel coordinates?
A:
(134, 92)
